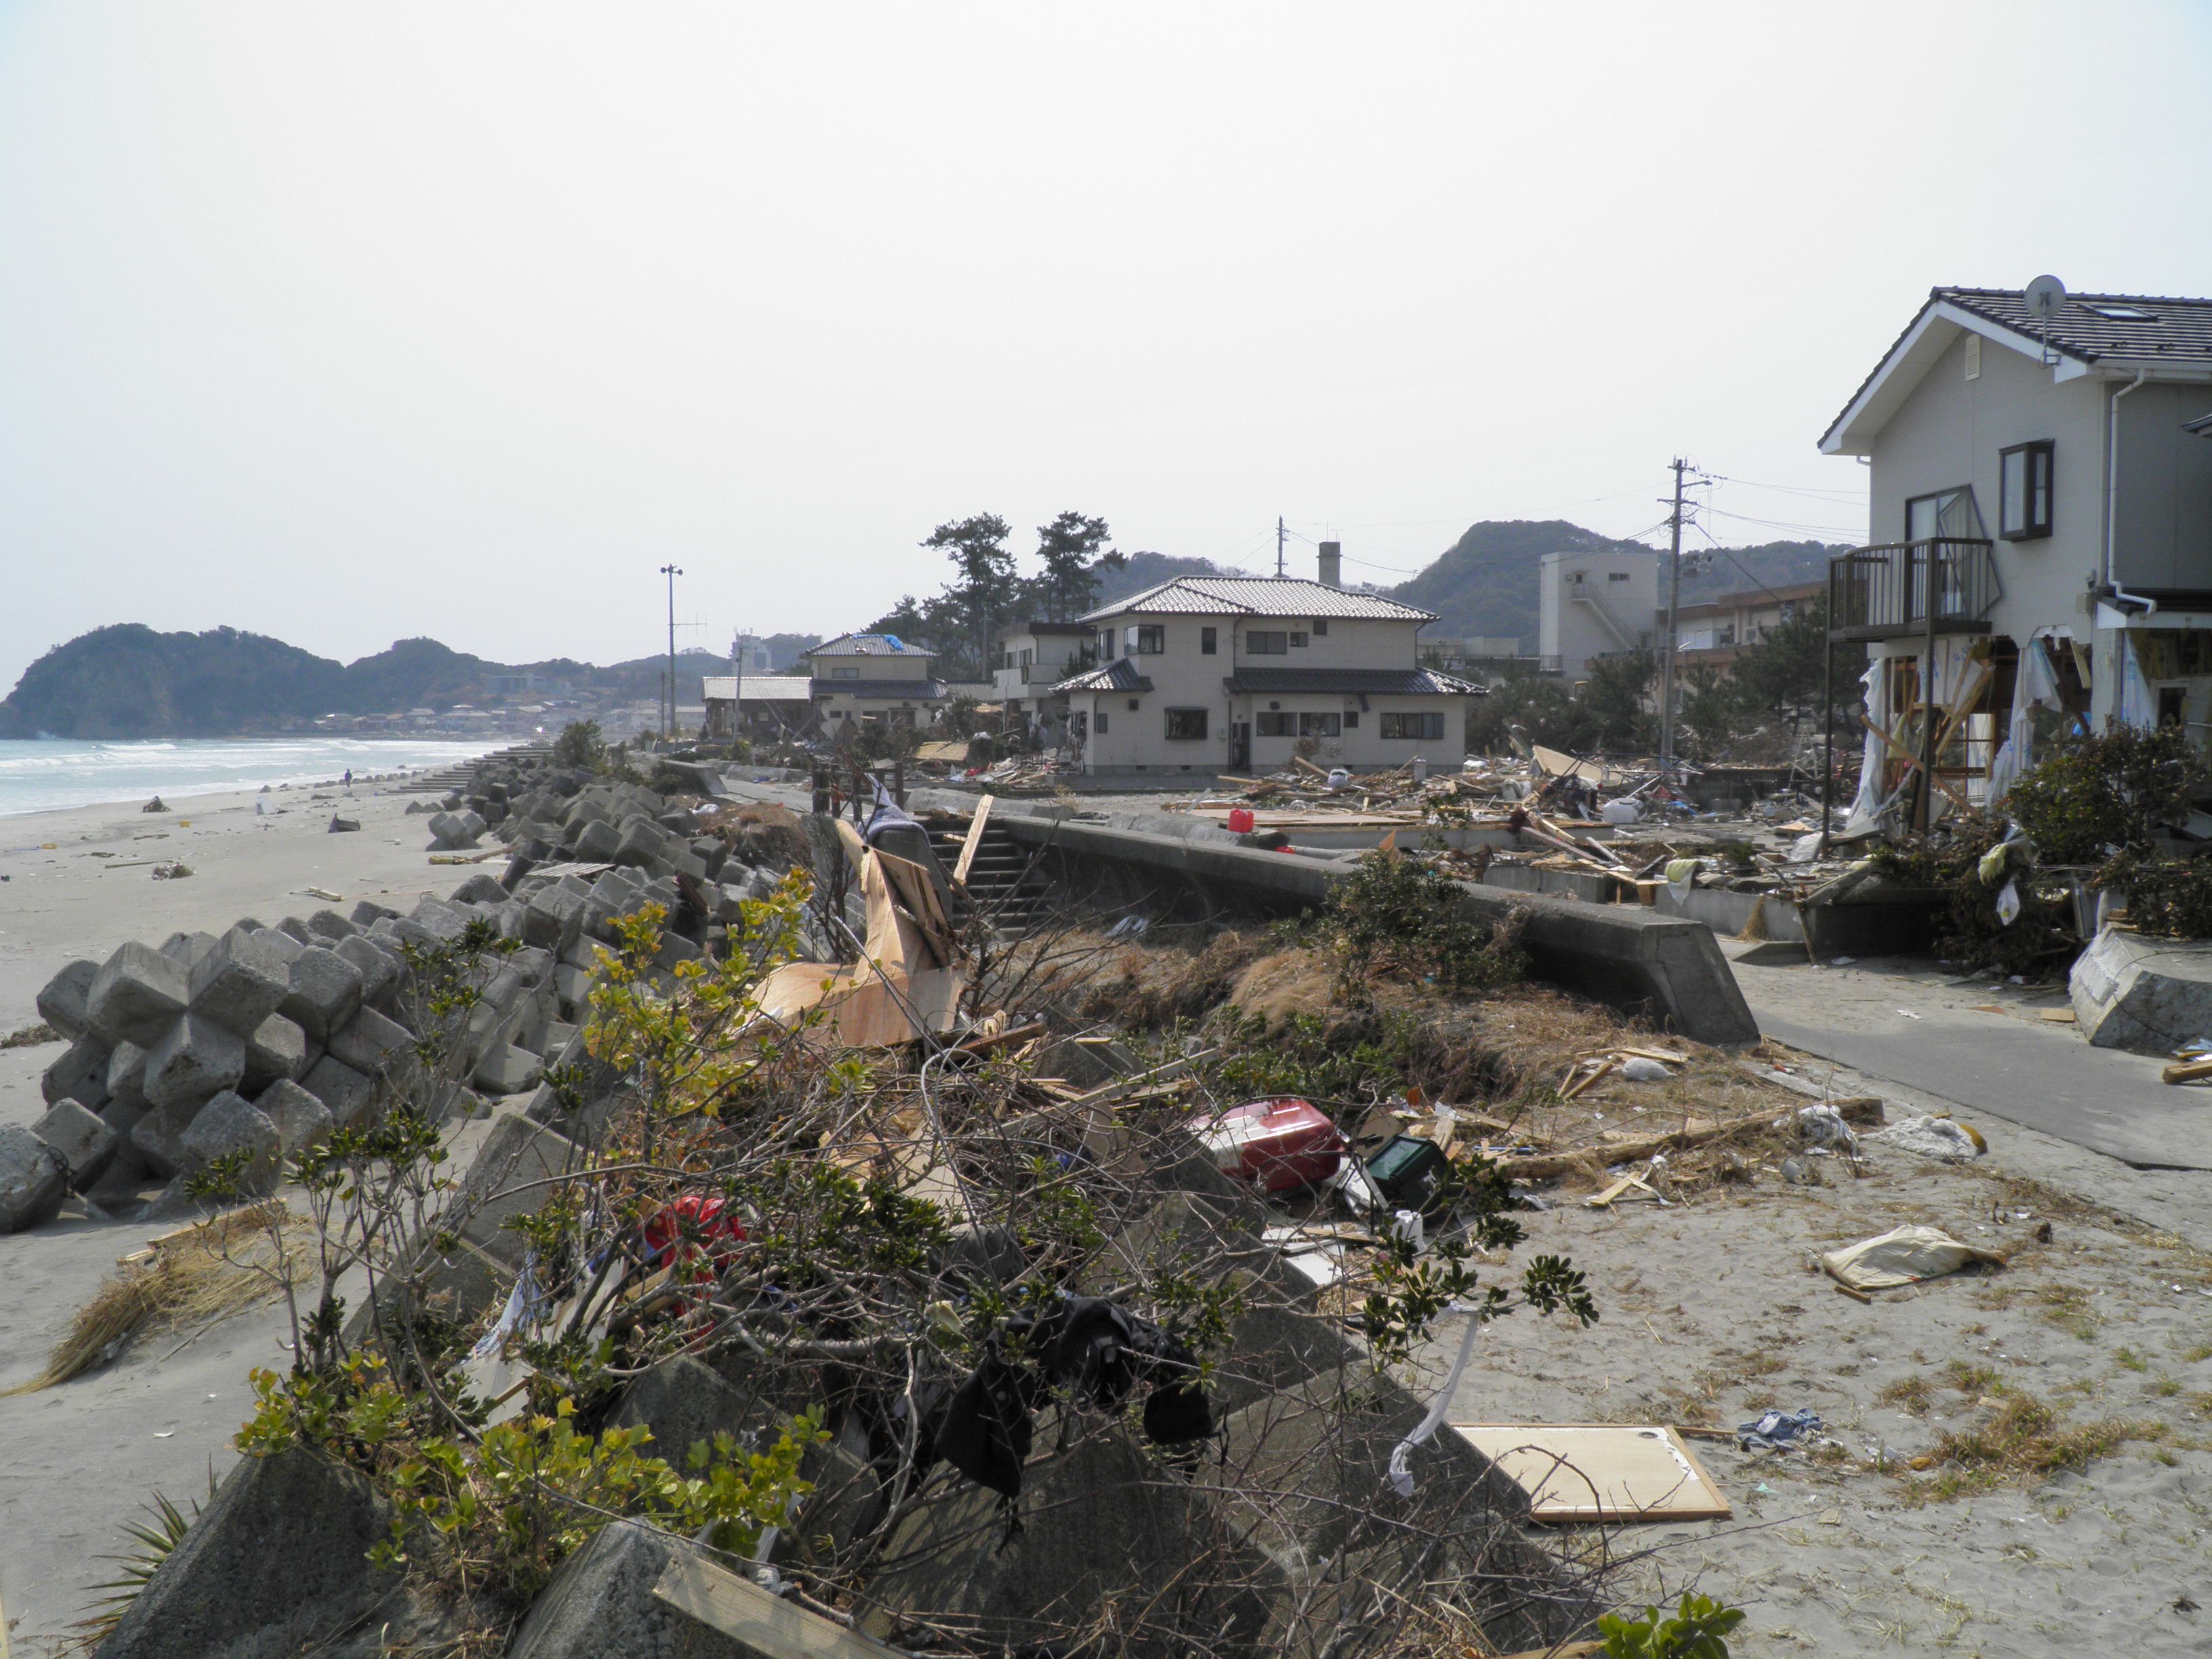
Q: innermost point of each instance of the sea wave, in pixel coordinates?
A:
(42, 775)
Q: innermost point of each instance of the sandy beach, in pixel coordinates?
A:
(82, 1459)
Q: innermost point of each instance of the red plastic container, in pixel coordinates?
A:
(1282, 1144)
(1240, 820)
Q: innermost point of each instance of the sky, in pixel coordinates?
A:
(351, 323)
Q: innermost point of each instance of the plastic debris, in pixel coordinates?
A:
(1778, 1431)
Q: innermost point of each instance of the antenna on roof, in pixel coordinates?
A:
(2045, 295)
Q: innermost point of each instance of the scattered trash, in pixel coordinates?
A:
(1939, 1137)
(1778, 1431)
(1904, 1256)
(172, 872)
(156, 805)
(1640, 1070)
(1824, 1126)
(1283, 1144)
(1582, 1471)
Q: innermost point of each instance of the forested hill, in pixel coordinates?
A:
(129, 681)
(1487, 581)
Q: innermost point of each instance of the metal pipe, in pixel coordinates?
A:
(2112, 495)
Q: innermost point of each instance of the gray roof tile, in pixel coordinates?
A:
(1259, 596)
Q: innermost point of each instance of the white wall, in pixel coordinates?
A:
(1625, 584)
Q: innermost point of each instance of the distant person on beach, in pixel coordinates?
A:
(348, 777)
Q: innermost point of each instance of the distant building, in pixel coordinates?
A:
(873, 676)
(1034, 658)
(775, 707)
(1238, 674)
(1592, 604)
(1714, 632)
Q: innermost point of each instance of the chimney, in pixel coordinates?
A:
(1331, 564)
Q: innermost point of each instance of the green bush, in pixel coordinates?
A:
(2098, 795)
(581, 746)
(1693, 1631)
(1397, 916)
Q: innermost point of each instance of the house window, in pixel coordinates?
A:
(1147, 639)
(1106, 645)
(1274, 723)
(2024, 491)
(1320, 626)
(1101, 722)
(1186, 724)
(1206, 640)
(1946, 513)
(1427, 727)
(1266, 642)
(1350, 721)
(1311, 725)
(1298, 640)
(1616, 575)
(844, 673)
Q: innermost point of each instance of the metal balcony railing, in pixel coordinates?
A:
(1883, 592)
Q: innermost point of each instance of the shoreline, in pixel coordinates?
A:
(374, 768)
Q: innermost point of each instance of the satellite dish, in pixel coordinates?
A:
(2045, 295)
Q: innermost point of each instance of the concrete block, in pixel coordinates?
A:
(83, 1138)
(157, 1139)
(242, 981)
(137, 994)
(597, 843)
(1101, 1530)
(122, 1117)
(367, 912)
(282, 944)
(510, 1178)
(374, 1044)
(187, 948)
(347, 1093)
(680, 860)
(81, 1073)
(61, 1002)
(508, 1070)
(573, 987)
(641, 844)
(194, 1060)
(330, 927)
(276, 1564)
(277, 1049)
(228, 1124)
(295, 929)
(631, 1591)
(126, 1073)
(481, 888)
(34, 1180)
(532, 965)
(449, 832)
(301, 1120)
(325, 993)
(444, 922)
(380, 970)
(2151, 996)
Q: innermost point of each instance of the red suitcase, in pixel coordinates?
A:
(1282, 1144)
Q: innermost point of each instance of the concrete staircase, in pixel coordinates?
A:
(1002, 887)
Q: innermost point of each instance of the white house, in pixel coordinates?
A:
(2043, 472)
(878, 677)
(780, 706)
(1034, 658)
(1217, 674)
(1595, 605)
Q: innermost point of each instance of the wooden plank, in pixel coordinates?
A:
(1537, 1166)
(974, 841)
(2187, 1071)
(713, 1595)
(1582, 1471)
(1912, 761)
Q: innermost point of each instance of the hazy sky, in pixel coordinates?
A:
(347, 323)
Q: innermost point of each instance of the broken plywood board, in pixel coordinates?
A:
(875, 1011)
(1576, 1471)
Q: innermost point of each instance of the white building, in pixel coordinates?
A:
(878, 677)
(1234, 674)
(1595, 605)
(1034, 658)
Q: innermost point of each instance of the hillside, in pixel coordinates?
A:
(129, 681)
(1145, 570)
(1487, 581)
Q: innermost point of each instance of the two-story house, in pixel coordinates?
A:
(1233, 673)
(2041, 501)
(1713, 633)
(1592, 604)
(1034, 658)
(873, 676)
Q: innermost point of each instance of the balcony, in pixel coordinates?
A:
(1882, 593)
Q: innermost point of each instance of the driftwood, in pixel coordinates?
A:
(1539, 1165)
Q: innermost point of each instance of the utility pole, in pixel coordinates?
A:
(672, 572)
(1673, 602)
(1279, 546)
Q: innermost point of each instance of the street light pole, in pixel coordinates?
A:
(672, 572)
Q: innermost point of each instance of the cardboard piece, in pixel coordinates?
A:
(1578, 1472)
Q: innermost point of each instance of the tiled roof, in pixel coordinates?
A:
(1116, 676)
(760, 688)
(2169, 330)
(1047, 630)
(870, 645)
(1351, 682)
(882, 690)
(1259, 596)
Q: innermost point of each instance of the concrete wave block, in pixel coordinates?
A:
(137, 994)
(83, 1138)
(61, 1002)
(81, 1073)
(241, 982)
(193, 1061)
(301, 1120)
(34, 1180)
(277, 1048)
(2148, 994)
(326, 991)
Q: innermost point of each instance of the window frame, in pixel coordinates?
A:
(1148, 640)
(1099, 723)
(1274, 723)
(1185, 717)
(1320, 723)
(1428, 724)
(2032, 528)
(1253, 648)
(1299, 639)
(1964, 493)
(1320, 626)
(1209, 642)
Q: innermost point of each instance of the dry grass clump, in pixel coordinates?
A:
(187, 1278)
(2022, 1442)
(31, 1037)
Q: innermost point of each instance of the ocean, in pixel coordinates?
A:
(46, 773)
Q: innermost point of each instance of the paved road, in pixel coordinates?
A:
(1985, 1047)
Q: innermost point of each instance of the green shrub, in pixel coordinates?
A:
(1397, 916)
(1693, 1631)
(2098, 795)
(580, 746)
